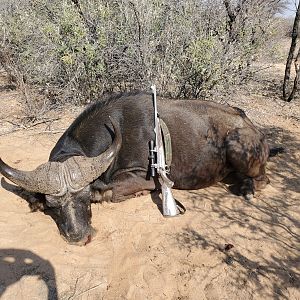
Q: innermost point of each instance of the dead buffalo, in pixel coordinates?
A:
(103, 156)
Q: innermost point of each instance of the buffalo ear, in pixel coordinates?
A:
(37, 202)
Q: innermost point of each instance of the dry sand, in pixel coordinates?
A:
(222, 248)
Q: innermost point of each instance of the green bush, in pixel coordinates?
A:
(76, 51)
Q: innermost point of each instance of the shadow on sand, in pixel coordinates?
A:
(16, 263)
(269, 222)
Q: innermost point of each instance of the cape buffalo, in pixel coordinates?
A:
(103, 156)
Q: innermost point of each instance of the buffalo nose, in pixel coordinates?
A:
(74, 236)
(80, 240)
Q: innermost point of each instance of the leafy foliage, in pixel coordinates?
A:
(76, 51)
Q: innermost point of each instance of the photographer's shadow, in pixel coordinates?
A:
(16, 263)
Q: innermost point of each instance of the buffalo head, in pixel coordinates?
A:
(66, 186)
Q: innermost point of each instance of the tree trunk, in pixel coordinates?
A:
(288, 96)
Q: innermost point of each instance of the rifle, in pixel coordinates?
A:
(158, 165)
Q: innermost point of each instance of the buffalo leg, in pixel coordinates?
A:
(247, 152)
(125, 186)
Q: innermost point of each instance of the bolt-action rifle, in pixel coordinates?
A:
(158, 164)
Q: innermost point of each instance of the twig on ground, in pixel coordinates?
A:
(16, 124)
(50, 131)
(87, 290)
(74, 291)
(19, 126)
(39, 122)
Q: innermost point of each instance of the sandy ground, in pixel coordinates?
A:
(222, 248)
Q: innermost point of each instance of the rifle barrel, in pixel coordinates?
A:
(153, 88)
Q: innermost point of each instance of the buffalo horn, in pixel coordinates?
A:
(82, 170)
(56, 178)
(46, 179)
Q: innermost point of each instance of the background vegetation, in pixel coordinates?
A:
(75, 50)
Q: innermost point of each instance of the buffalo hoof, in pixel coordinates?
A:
(99, 196)
(249, 197)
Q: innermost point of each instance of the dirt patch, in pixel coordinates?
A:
(222, 248)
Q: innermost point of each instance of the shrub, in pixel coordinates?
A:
(75, 51)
